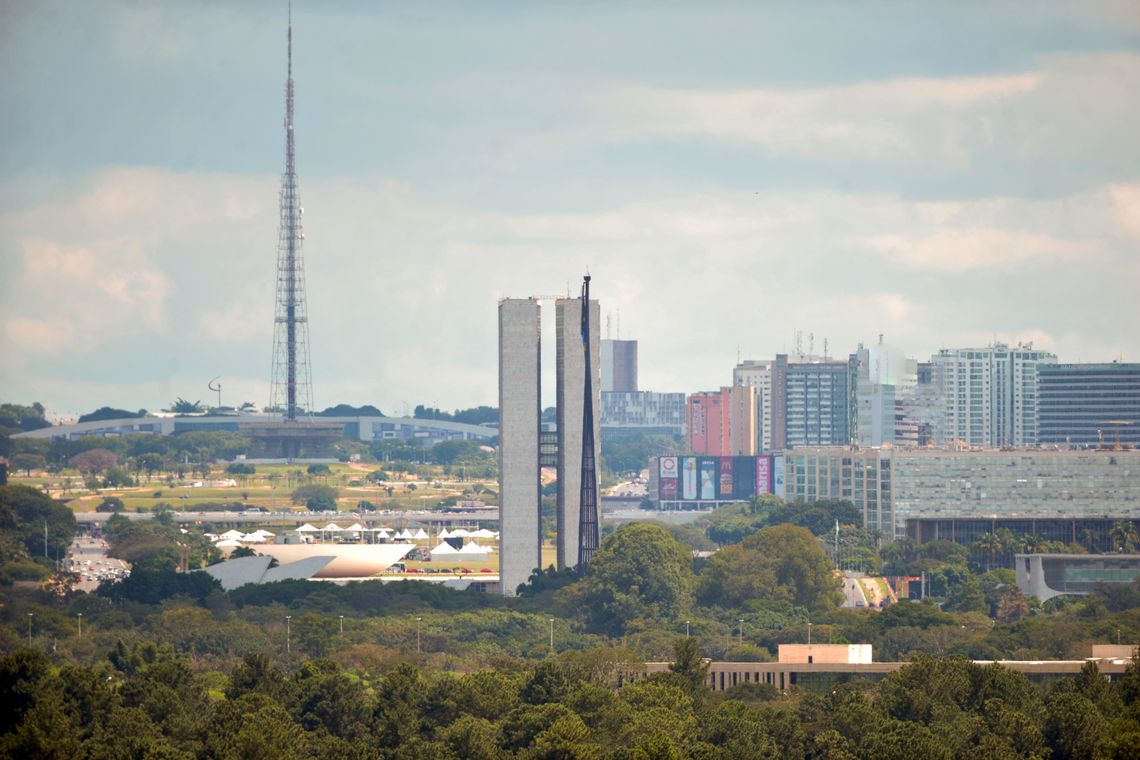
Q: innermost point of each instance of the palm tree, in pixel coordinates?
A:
(990, 545)
(1123, 534)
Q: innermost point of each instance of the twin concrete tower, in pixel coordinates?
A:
(525, 448)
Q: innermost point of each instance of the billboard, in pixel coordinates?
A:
(763, 482)
(708, 478)
(667, 482)
(688, 478)
(719, 478)
(743, 477)
(726, 488)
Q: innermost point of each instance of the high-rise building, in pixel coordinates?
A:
(813, 403)
(1088, 404)
(885, 386)
(723, 423)
(642, 412)
(571, 360)
(988, 396)
(619, 365)
(524, 448)
(520, 538)
(706, 424)
(757, 373)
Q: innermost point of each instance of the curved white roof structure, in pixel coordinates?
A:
(348, 560)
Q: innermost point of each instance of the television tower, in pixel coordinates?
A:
(291, 388)
(588, 503)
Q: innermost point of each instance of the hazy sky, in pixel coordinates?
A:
(944, 173)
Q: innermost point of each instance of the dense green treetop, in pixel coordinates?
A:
(109, 413)
(784, 562)
(36, 521)
(640, 573)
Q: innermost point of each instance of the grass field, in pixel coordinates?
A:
(270, 488)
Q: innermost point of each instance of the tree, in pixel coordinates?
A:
(108, 413)
(990, 545)
(688, 663)
(317, 498)
(781, 562)
(22, 418)
(639, 573)
(27, 462)
(94, 461)
(25, 513)
(110, 504)
(182, 406)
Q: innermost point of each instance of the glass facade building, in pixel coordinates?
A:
(1089, 404)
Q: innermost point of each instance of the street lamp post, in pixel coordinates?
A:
(809, 633)
(741, 632)
(30, 616)
(341, 625)
(687, 629)
(418, 650)
(552, 635)
(79, 620)
(288, 634)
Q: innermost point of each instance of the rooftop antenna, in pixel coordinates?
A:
(825, 349)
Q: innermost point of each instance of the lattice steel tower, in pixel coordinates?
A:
(588, 503)
(291, 388)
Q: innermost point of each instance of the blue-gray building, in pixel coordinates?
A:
(1088, 404)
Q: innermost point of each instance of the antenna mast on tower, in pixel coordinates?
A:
(291, 386)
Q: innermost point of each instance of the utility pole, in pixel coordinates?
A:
(45, 540)
(342, 625)
(741, 643)
(418, 650)
(30, 616)
(552, 635)
(687, 629)
(288, 634)
(809, 633)
(79, 617)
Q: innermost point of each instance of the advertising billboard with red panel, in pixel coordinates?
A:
(763, 481)
(726, 490)
(667, 481)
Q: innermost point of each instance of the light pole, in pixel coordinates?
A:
(30, 616)
(741, 632)
(341, 625)
(552, 635)
(418, 650)
(809, 633)
(79, 620)
(687, 629)
(288, 634)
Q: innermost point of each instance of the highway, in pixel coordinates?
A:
(88, 557)
(380, 518)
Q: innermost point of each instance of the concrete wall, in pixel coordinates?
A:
(519, 410)
(824, 653)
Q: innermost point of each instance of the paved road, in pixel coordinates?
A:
(853, 593)
(88, 556)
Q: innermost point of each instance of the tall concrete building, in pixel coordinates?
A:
(619, 365)
(988, 396)
(1084, 405)
(520, 537)
(571, 363)
(757, 373)
(723, 423)
(520, 454)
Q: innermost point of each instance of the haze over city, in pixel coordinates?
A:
(947, 176)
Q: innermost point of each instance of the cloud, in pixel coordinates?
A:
(1068, 102)
(402, 285)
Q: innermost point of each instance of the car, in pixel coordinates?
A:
(467, 570)
(486, 570)
(413, 570)
(860, 603)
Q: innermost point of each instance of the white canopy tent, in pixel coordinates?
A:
(420, 535)
(306, 528)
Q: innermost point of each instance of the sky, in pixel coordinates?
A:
(947, 174)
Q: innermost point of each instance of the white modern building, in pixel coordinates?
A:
(988, 396)
(885, 384)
